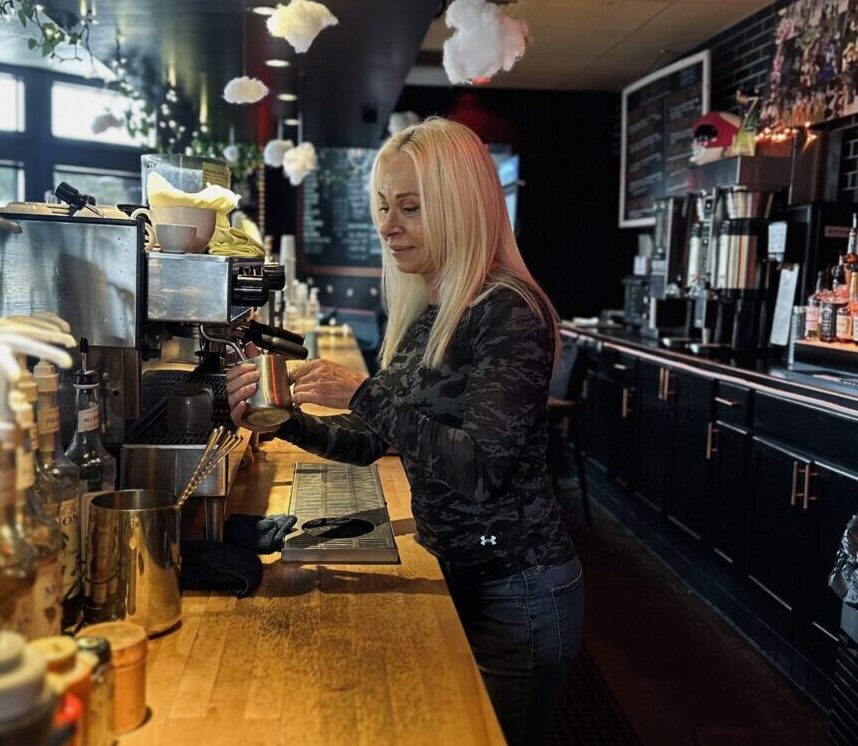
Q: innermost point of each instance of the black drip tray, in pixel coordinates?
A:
(337, 528)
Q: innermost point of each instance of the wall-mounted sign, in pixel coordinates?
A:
(815, 66)
(658, 113)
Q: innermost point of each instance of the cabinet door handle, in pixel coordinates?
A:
(726, 402)
(585, 386)
(808, 498)
(792, 493)
(625, 411)
(711, 432)
(620, 366)
(667, 391)
(661, 384)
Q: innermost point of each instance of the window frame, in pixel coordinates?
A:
(39, 152)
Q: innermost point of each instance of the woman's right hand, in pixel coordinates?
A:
(241, 382)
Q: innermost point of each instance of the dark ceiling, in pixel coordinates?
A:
(347, 82)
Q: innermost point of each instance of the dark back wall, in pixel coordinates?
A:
(567, 207)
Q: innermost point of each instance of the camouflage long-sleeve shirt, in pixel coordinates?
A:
(472, 435)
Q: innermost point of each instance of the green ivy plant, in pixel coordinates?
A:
(48, 36)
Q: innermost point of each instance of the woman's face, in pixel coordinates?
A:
(398, 209)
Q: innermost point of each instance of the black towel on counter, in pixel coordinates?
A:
(262, 534)
(212, 566)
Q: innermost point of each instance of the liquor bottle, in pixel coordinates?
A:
(97, 466)
(839, 280)
(67, 475)
(844, 313)
(851, 259)
(813, 305)
(41, 531)
(17, 558)
(832, 301)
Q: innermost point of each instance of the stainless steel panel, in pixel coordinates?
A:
(192, 287)
(87, 271)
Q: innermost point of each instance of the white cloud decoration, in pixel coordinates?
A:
(105, 121)
(274, 152)
(298, 162)
(484, 41)
(399, 120)
(230, 153)
(300, 22)
(244, 90)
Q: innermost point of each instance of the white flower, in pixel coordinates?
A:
(230, 153)
(274, 152)
(399, 120)
(484, 41)
(300, 22)
(298, 162)
(105, 121)
(244, 90)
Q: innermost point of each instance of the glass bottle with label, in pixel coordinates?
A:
(17, 558)
(35, 493)
(97, 466)
(814, 302)
(844, 313)
(851, 259)
(67, 475)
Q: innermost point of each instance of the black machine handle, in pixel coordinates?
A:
(67, 193)
(279, 346)
(255, 327)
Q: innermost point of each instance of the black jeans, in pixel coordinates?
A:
(524, 630)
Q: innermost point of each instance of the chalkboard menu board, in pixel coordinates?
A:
(658, 113)
(337, 229)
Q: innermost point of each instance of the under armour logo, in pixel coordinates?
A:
(493, 540)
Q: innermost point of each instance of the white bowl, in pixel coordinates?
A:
(175, 239)
(201, 218)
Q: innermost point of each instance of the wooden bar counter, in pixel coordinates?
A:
(336, 654)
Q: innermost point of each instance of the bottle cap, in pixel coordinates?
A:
(96, 646)
(22, 676)
(59, 652)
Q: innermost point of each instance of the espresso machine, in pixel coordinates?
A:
(729, 279)
(141, 313)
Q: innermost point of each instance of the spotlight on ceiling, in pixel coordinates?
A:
(291, 122)
(287, 97)
(263, 10)
(277, 63)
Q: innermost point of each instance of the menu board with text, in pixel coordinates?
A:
(337, 229)
(659, 112)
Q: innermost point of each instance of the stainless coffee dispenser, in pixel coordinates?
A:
(732, 293)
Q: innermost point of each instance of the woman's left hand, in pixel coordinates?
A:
(325, 383)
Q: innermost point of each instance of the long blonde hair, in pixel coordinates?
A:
(467, 235)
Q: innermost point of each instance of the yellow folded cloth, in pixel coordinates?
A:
(161, 193)
(233, 242)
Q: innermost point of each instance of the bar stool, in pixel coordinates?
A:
(564, 421)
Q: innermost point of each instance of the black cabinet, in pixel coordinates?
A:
(652, 436)
(692, 397)
(728, 453)
(777, 537)
(830, 500)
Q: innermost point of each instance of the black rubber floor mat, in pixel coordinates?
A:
(587, 713)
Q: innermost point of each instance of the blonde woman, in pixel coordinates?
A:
(461, 393)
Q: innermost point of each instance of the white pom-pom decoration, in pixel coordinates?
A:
(300, 22)
(484, 41)
(244, 90)
(105, 121)
(274, 152)
(399, 120)
(230, 153)
(298, 162)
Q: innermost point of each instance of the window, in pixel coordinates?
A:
(11, 103)
(108, 187)
(74, 109)
(11, 183)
